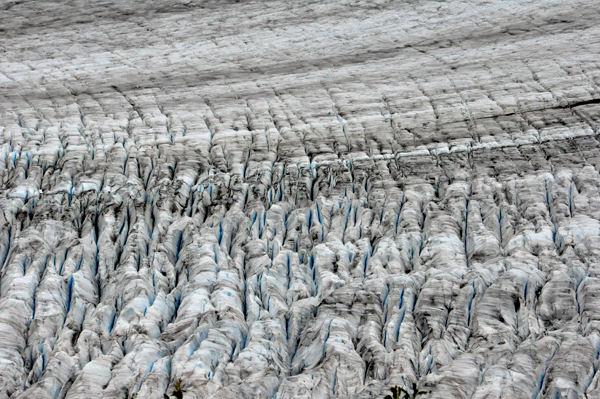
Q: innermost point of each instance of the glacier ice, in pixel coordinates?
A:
(299, 199)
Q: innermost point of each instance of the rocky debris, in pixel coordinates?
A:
(299, 199)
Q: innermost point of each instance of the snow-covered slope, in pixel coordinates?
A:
(295, 199)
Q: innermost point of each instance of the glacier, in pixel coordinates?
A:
(299, 199)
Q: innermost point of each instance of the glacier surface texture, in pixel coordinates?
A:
(299, 199)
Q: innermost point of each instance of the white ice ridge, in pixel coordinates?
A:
(296, 199)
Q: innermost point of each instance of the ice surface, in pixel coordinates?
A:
(293, 199)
